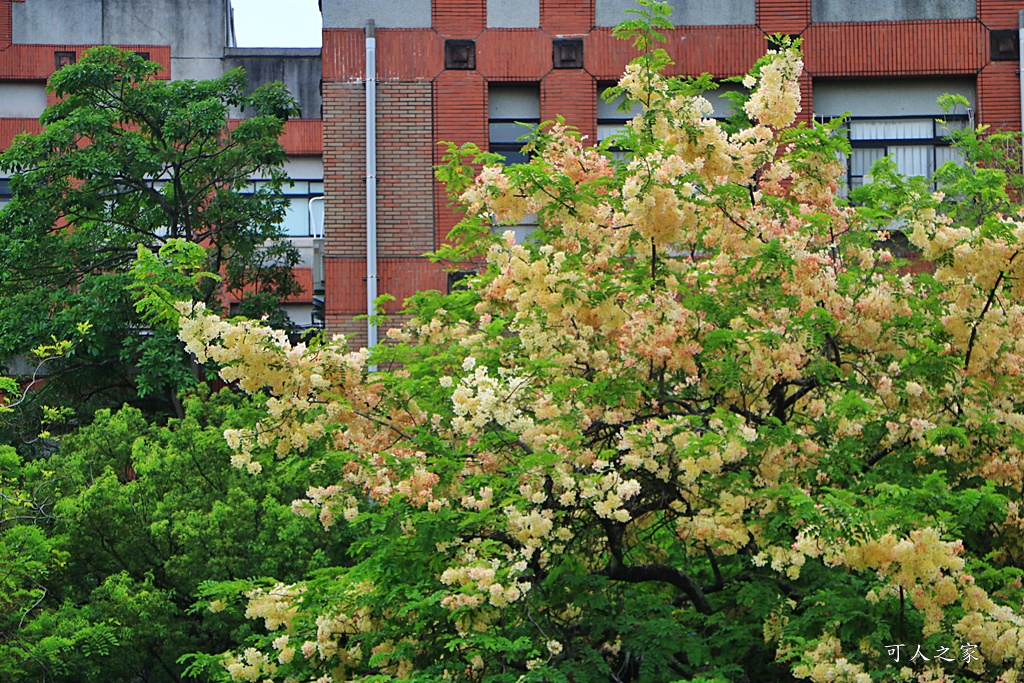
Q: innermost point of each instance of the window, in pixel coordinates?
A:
(508, 105)
(916, 144)
(896, 118)
(610, 120)
(304, 214)
(5, 192)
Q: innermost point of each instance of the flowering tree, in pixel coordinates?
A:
(702, 428)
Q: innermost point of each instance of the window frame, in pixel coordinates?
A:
(937, 141)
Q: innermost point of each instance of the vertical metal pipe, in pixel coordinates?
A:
(1020, 68)
(371, 180)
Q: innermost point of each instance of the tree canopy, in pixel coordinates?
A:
(104, 546)
(128, 158)
(704, 426)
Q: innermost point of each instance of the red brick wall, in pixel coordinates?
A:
(719, 50)
(405, 154)
(783, 16)
(566, 17)
(571, 93)
(898, 48)
(999, 14)
(344, 127)
(346, 287)
(408, 55)
(411, 62)
(343, 54)
(460, 116)
(999, 96)
(513, 54)
(36, 62)
(5, 24)
(303, 137)
(459, 18)
(11, 127)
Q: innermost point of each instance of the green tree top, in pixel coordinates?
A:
(127, 159)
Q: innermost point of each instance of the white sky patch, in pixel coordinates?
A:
(277, 23)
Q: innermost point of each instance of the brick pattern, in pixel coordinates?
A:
(6, 33)
(999, 14)
(899, 48)
(408, 54)
(566, 17)
(405, 184)
(460, 116)
(402, 55)
(573, 95)
(346, 286)
(303, 137)
(11, 127)
(783, 16)
(344, 127)
(459, 18)
(806, 112)
(343, 55)
(513, 54)
(720, 50)
(403, 277)
(400, 277)
(354, 330)
(999, 96)
(36, 63)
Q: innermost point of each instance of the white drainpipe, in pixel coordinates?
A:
(371, 180)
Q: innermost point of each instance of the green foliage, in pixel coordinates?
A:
(128, 520)
(701, 427)
(128, 160)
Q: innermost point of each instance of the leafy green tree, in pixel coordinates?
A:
(126, 159)
(702, 428)
(137, 517)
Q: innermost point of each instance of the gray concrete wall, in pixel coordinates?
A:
(684, 12)
(193, 28)
(891, 10)
(196, 30)
(888, 97)
(58, 21)
(196, 68)
(23, 100)
(386, 13)
(513, 13)
(298, 68)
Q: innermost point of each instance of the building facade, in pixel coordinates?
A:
(463, 70)
(190, 39)
(466, 70)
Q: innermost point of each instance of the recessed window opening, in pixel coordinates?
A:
(508, 106)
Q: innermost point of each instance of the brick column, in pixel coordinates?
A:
(459, 18)
(783, 16)
(999, 14)
(460, 116)
(6, 27)
(999, 96)
(567, 17)
(571, 93)
(344, 126)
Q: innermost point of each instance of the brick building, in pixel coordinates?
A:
(461, 70)
(191, 39)
(464, 70)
